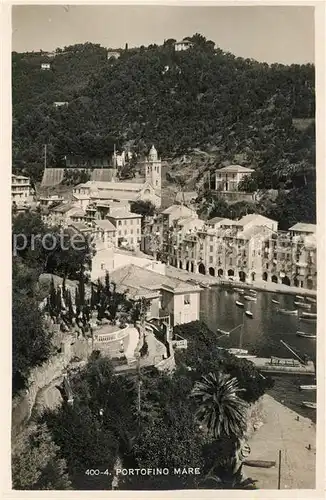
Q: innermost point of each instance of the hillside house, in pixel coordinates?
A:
(182, 45)
(168, 296)
(45, 66)
(20, 189)
(229, 178)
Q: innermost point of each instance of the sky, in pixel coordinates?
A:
(266, 33)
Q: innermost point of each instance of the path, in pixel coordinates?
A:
(281, 431)
(257, 285)
(133, 336)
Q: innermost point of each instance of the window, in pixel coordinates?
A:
(137, 230)
(211, 248)
(210, 259)
(131, 231)
(131, 221)
(119, 233)
(211, 238)
(186, 300)
(125, 222)
(126, 232)
(102, 266)
(119, 222)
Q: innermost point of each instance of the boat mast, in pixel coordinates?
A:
(293, 352)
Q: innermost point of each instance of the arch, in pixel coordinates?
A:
(147, 192)
(211, 271)
(274, 279)
(296, 281)
(187, 265)
(220, 273)
(242, 276)
(180, 264)
(286, 281)
(230, 272)
(201, 268)
(265, 276)
(310, 283)
(253, 276)
(192, 267)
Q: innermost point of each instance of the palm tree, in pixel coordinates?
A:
(223, 414)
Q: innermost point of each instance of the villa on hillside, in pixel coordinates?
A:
(228, 179)
(168, 296)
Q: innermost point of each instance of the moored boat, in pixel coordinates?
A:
(240, 290)
(303, 318)
(253, 292)
(275, 301)
(309, 404)
(306, 335)
(311, 299)
(246, 356)
(293, 312)
(308, 315)
(222, 332)
(302, 305)
(239, 304)
(299, 297)
(311, 387)
(234, 350)
(249, 314)
(249, 297)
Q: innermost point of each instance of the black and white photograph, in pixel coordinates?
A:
(164, 247)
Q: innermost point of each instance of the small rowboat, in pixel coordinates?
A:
(310, 299)
(253, 292)
(306, 335)
(309, 404)
(240, 290)
(275, 301)
(264, 464)
(239, 304)
(293, 312)
(236, 351)
(299, 297)
(307, 387)
(302, 305)
(248, 297)
(246, 356)
(249, 314)
(309, 315)
(222, 332)
(303, 318)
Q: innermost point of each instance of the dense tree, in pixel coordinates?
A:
(145, 208)
(31, 342)
(36, 463)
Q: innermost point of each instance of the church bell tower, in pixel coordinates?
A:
(153, 169)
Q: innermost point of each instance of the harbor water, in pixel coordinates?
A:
(261, 335)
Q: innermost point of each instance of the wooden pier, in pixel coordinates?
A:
(284, 365)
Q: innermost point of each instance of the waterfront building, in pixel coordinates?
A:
(249, 250)
(168, 296)
(21, 191)
(157, 229)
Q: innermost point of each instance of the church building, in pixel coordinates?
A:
(148, 190)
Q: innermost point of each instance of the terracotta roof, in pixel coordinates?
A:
(123, 214)
(235, 169)
(145, 280)
(215, 220)
(115, 195)
(304, 227)
(106, 225)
